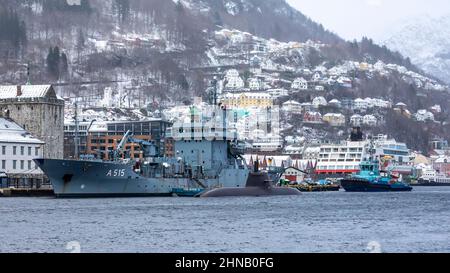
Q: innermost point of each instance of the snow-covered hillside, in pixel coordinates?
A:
(426, 40)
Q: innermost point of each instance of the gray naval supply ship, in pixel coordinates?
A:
(206, 157)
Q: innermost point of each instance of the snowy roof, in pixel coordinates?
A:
(27, 91)
(12, 132)
(292, 102)
(334, 115)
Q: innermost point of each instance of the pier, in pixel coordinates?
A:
(14, 192)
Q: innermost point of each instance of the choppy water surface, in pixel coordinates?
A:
(418, 221)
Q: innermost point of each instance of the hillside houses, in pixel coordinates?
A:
(299, 84)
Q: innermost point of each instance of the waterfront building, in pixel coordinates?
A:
(102, 137)
(38, 110)
(293, 174)
(18, 148)
(398, 151)
(341, 158)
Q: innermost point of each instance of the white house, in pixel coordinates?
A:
(254, 84)
(370, 120)
(359, 104)
(280, 92)
(317, 76)
(319, 101)
(234, 81)
(319, 88)
(292, 107)
(379, 103)
(299, 84)
(18, 148)
(335, 103)
(436, 108)
(293, 175)
(356, 120)
(424, 115)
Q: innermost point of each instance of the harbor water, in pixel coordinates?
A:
(417, 221)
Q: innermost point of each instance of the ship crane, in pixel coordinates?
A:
(121, 145)
(149, 148)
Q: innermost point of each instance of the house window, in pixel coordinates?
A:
(29, 164)
(3, 150)
(3, 164)
(14, 164)
(22, 164)
(36, 151)
(14, 150)
(29, 151)
(22, 150)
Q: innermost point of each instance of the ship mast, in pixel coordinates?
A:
(77, 135)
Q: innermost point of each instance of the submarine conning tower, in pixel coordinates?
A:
(257, 178)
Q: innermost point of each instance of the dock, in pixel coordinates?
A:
(316, 188)
(14, 192)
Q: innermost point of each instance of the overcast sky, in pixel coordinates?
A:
(356, 18)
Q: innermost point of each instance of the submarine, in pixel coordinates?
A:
(258, 184)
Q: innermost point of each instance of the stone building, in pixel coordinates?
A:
(38, 110)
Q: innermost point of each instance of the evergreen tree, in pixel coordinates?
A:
(64, 66)
(81, 42)
(57, 63)
(51, 62)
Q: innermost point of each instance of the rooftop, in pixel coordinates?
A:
(27, 91)
(12, 132)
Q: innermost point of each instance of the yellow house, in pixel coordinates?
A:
(247, 100)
